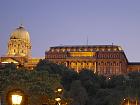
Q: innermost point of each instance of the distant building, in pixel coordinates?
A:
(102, 59)
(19, 49)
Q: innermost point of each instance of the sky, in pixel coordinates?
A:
(70, 22)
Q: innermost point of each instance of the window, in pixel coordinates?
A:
(109, 49)
(57, 50)
(52, 50)
(97, 49)
(68, 49)
(115, 49)
(103, 49)
(85, 49)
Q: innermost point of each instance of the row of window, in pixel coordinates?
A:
(20, 51)
(17, 45)
(77, 63)
(100, 56)
(109, 56)
(109, 63)
(55, 56)
(82, 49)
(115, 70)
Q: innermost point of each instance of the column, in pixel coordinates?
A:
(77, 67)
(83, 64)
(95, 67)
(66, 64)
(89, 65)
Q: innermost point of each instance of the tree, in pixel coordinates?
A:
(78, 93)
(36, 82)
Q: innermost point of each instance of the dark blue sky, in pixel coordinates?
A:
(69, 22)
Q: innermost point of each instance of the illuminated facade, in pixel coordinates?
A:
(19, 43)
(19, 49)
(102, 59)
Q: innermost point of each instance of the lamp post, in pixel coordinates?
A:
(59, 95)
(16, 99)
(59, 90)
(58, 99)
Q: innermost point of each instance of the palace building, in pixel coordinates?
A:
(102, 59)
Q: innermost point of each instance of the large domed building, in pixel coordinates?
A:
(19, 49)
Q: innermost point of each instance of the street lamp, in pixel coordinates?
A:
(58, 99)
(16, 99)
(59, 94)
(59, 90)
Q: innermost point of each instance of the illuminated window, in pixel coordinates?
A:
(52, 50)
(57, 50)
(68, 49)
(85, 49)
(115, 49)
(109, 49)
(74, 49)
(97, 49)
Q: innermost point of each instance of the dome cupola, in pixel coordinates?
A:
(19, 43)
(20, 33)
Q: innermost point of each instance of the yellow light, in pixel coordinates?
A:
(57, 99)
(82, 54)
(16, 99)
(59, 90)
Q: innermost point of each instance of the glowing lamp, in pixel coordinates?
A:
(16, 99)
(59, 90)
(57, 99)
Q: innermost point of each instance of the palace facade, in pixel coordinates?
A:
(102, 59)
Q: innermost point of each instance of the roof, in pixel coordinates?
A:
(20, 33)
(88, 46)
(70, 46)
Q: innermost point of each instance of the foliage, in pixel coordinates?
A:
(83, 88)
(36, 82)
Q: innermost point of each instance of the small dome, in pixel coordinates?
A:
(21, 33)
